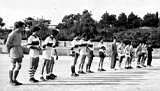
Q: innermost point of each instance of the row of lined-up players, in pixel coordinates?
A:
(82, 47)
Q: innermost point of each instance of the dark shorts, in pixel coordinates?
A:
(52, 59)
(90, 54)
(72, 53)
(16, 60)
(101, 54)
(46, 60)
(143, 54)
(76, 55)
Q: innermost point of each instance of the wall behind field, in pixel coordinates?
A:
(64, 48)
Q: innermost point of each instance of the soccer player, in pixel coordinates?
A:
(149, 60)
(90, 47)
(54, 56)
(102, 55)
(75, 51)
(121, 54)
(34, 52)
(15, 51)
(83, 53)
(114, 54)
(127, 55)
(144, 55)
(139, 55)
(47, 48)
(132, 55)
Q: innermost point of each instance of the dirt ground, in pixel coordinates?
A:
(145, 79)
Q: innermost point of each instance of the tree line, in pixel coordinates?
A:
(106, 27)
(124, 27)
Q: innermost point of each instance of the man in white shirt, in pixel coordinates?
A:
(144, 53)
(54, 56)
(102, 55)
(139, 55)
(121, 54)
(75, 50)
(49, 44)
(34, 52)
(83, 53)
(90, 47)
(132, 54)
(127, 55)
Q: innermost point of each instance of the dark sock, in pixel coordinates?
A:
(72, 69)
(15, 75)
(11, 75)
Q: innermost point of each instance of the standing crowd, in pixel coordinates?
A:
(82, 48)
(124, 51)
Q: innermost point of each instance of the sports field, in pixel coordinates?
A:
(145, 79)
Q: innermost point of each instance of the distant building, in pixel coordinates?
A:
(145, 27)
(52, 26)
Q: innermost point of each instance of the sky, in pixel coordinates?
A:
(55, 10)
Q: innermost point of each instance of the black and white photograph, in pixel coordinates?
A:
(76, 45)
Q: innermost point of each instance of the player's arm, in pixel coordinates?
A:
(9, 42)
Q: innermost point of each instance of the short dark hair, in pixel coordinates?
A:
(54, 32)
(19, 24)
(114, 37)
(35, 28)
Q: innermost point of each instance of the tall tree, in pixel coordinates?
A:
(77, 24)
(104, 20)
(122, 20)
(107, 20)
(112, 19)
(87, 24)
(134, 21)
(150, 20)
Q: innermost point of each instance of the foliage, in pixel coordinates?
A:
(150, 20)
(42, 23)
(77, 24)
(107, 20)
(122, 20)
(133, 21)
(124, 27)
(140, 35)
